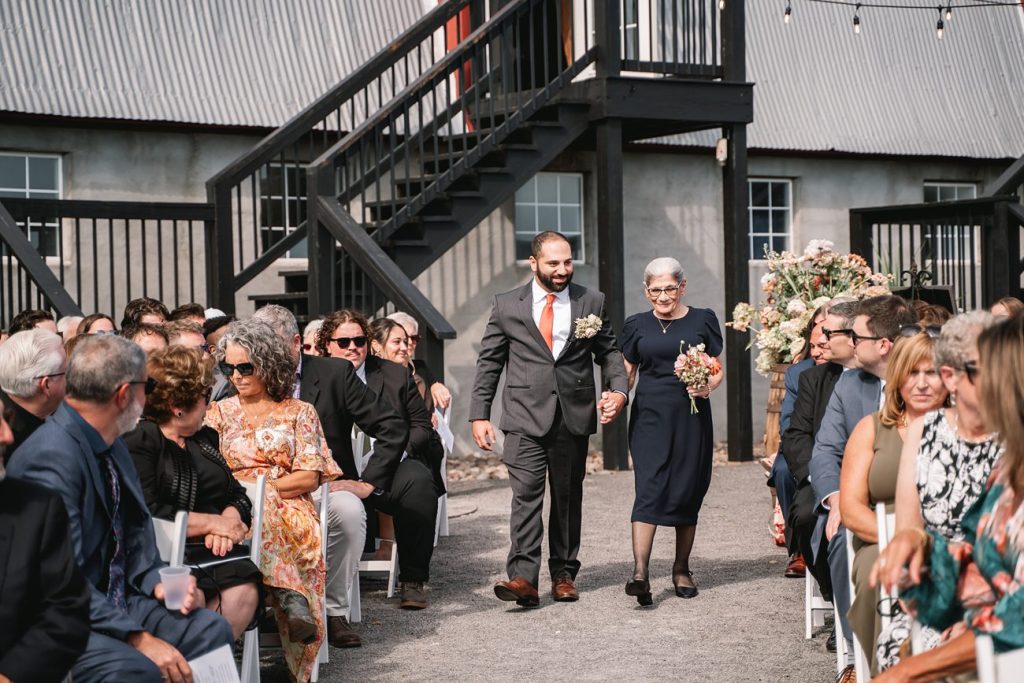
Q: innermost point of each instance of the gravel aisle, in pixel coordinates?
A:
(746, 624)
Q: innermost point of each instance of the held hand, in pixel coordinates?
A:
(483, 434)
(360, 489)
(834, 520)
(172, 665)
(907, 549)
(190, 595)
(610, 405)
(442, 397)
(219, 545)
(703, 393)
(230, 526)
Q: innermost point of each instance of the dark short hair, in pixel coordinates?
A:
(184, 311)
(214, 324)
(138, 329)
(331, 322)
(28, 319)
(543, 238)
(137, 308)
(88, 321)
(887, 314)
(176, 328)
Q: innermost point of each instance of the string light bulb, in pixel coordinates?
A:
(939, 27)
(949, 12)
(721, 4)
(856, 19)
(789, 13)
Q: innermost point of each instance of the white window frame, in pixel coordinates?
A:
(788, 234)
(522, 205)
(956, 185)
(27, 191)
(942, 259)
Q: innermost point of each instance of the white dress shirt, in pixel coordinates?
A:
(562, 323)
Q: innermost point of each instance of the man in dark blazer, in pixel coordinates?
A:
(540, 335)
(78, 453)
(44, 601)
(341, 400)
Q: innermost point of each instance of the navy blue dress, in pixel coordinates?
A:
(671, 449)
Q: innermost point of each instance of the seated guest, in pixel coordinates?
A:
(913, 387)
(78, 453)
(440, 397)
(97, 323)
(191, 312)
(67, 327)
(412, 497)
(213, 330)
(187, 333)
(264, 431)
(946, 459)
(972, 586)
(181, 468)
(30, 318)
(144, 310)
(148, 336)
(32, 367)
(931, 314)
(309, 336)
(44, 604)
(343, 403)
(1007, 307)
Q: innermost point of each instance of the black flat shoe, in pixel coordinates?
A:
(641, 590)
(686, 591)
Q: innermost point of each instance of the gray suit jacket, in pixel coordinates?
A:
(857, 394)
(536, 382)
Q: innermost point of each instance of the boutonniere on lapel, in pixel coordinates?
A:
(587, 328)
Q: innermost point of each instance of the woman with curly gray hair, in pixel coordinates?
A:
(264, 430)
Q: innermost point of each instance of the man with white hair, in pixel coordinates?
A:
(32, 366)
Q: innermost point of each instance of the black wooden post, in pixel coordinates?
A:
(1000, 247)
(320, 243)
(220, 259)
(735, 238)
(861, 237)
(606, 32)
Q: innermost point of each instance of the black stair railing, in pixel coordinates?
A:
(260, 199)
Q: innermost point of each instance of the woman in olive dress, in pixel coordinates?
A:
(670, 446)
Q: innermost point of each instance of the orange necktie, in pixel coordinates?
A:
(547, 322)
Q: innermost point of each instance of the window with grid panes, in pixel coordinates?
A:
(771, 210)
(947, 191)
(550, 201)
(34, 176)
(282, 205)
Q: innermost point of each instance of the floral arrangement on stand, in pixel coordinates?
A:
(796, 285)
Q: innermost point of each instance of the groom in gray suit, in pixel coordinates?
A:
(541, 336)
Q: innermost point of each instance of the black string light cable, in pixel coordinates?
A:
(945, 10)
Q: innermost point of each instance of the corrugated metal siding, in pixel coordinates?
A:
(229, 62)
(893, 89)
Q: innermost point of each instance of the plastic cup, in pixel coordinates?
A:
(175, 581)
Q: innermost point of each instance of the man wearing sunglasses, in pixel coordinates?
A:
(857, 393)
(32, 366)
(79, 454)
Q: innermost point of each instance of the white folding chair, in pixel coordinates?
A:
(170, 538)
(389, 567)
(993, 668)
(815, 606)
(441, 526)
(860, 660)
(886, 522)
(251, 643)
(323, 656)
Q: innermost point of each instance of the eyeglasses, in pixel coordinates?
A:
(149, 384)
(52, 374)
(841, 331)
(858, 338)
(656, 292)
(971, 369)
(914, 329)
(307, 347)
(343, 342)
(414, 339)
(244, 369)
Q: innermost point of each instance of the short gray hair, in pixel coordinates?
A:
(959, 334)
(68, 323)
(408, 322)
(845, 309)
(26, 357)
(664, 265)
(280, 319)
(311, 329)
(268, 352)
(100, 364)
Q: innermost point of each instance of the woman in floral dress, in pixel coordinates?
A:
(263, 430)
(973, 586)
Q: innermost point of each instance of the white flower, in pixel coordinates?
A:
(796, 307)
(587, 328)
(816, 247)
(820, 301)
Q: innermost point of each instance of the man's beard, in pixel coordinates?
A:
(127, 421)
(551, 285)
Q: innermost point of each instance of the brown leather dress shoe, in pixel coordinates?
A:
(563, 589)
(518, 590)
(340, 633)
(796, 567)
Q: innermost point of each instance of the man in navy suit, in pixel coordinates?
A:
(78, 454)
(857, 393)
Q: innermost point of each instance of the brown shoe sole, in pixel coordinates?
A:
(566, 597)
(413, 604)
(509, 595)
(345, 642)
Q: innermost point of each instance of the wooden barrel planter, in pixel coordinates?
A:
(776, 393)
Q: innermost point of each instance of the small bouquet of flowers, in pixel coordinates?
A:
(587, 328)
(694, 368)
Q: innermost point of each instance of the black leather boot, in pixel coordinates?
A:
(301, 625)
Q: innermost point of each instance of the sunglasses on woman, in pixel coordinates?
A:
(244, 369)
(343, 342)
(970, 369)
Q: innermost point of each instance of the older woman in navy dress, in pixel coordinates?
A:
(671, 448)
